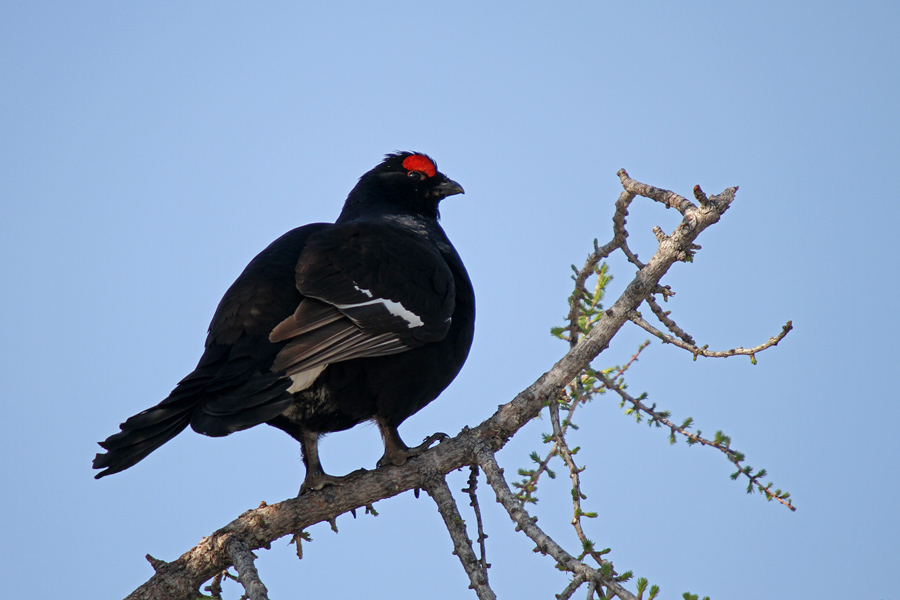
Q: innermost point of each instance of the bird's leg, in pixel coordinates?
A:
(316, 478)
(395, 451)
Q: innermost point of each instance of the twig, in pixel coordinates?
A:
(529, 485)
(620, 234)
(526, 524)
(570, 589)
(581, 276)
(721, 443)
(215, 586)
(440, 493)
(663, 317)
(473, 502)
(668, 198)
(577, 495)
(636, 318)
(242, 559)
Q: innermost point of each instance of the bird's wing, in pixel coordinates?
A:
(234, 384)
(233, 387)
(370, 289)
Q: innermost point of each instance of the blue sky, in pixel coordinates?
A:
(149, 151)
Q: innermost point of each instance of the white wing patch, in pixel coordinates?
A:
(395, 308)
(304, 379)
(366, 292)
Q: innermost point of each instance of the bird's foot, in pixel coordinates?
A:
(320, 480)
(396, 455)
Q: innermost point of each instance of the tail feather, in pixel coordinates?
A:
(142, 434)
(131, 434)
(215, 401)
(223, 416)
(166, 410)
(260, 390)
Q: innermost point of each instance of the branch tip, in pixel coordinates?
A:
(158, 565)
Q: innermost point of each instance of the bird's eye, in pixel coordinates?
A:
(418, 175)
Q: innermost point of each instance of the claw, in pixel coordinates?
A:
(397, 453)
(317, 482)
(320, 480)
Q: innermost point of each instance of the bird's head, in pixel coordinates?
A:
(405, 182)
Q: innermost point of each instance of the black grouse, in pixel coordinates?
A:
(369, 318)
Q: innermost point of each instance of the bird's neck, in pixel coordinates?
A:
(365, 204)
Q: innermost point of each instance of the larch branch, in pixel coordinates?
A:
(672, 326)
(696, 351)
(462, 545)
(526, 523)
(721, 443)
(476, 507)
(242, 559)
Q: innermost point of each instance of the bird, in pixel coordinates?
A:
(365, 319)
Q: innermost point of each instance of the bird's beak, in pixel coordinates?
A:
(448, 188)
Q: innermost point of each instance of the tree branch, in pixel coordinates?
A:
(473, 502)
(528, 486)
(570, 589)
(242, 559)
(574, 474)
(663, 317)
(666, 197)
(526, 523)
(442, 496)
(693, 349)
(721, 442)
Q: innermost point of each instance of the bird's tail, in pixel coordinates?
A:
(143, 433)
(213, 403)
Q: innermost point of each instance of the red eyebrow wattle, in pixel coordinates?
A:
(417, 162)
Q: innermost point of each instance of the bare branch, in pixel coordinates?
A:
(666, 197)
(442, 496)
(693, 349)
(242, 559)
(215, 586)
(473, 502)
(620, 234)
(573, 586)
(700, 195)
(158, 565)
(663, 317)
